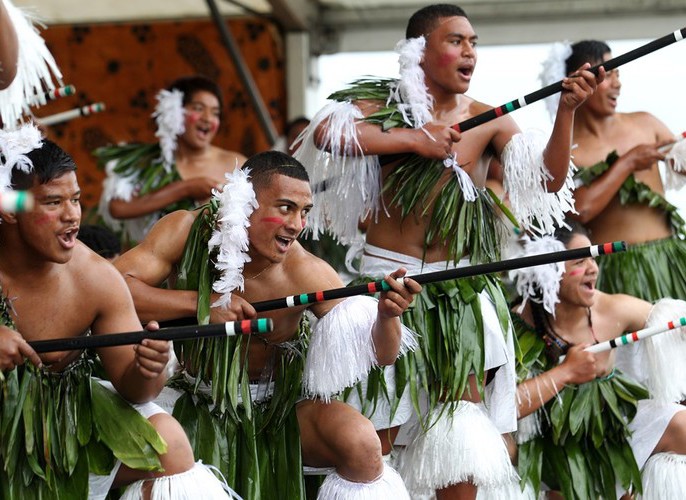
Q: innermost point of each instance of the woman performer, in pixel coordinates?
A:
(586, 428)
(146, 181)
(620, 194)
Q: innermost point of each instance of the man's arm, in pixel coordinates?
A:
(9, 48)
(13, 350)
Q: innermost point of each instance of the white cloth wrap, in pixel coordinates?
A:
(118, 187)
(462, 446)
(648, 426)
(99, 486)
(353, 180)
(658, 361)
(664, 477)
(341, 350)
(36, 68)
(197, 482)
(388, 486)
(525, 181)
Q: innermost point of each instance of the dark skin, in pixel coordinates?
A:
(9, 49)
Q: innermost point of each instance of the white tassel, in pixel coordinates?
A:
(462, 446)
(237, 202)
(169, 116)
(539, 283)
(553, 69)
(664, 354)
(199, 482)
(664, 477)
(465, 182)
(388, 486)
(14, 146)
(341, 350)
(35, 69)
(675, 162)
(411, 93)
(525, 180)
(352, 179)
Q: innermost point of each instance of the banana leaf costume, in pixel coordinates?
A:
(578, 443)
(135, 170)
(57, 428)
(254, 441)
(651, 270)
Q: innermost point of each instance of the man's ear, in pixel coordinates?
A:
(8, 217)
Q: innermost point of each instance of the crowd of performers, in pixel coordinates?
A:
(487, 386)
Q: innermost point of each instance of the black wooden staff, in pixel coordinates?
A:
(449, 274)
(228, 329)
(554, 88)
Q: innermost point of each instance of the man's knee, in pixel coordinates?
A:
(179, 456)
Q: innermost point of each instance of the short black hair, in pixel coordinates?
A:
(100, 239)
(263, 166)
(49, 162)
(424, 21)
(565, 234)
(586, 51)
(189, 85)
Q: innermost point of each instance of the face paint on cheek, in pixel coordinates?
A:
(45, 219)
(446, 60)
(576, 272)
(272, 220)
(192, 118)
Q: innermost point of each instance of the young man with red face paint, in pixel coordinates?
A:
(563, 314)
(384, 151)
(72, 436)
(145, 182)
(259, 415)
(620, 193)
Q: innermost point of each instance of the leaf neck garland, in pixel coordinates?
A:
(633, 191)
(583, 448)
(57, 428)
(472, 228)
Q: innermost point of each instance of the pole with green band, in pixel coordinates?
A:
(448, 274)
(556, 87)
(630, 338)
(228, 329)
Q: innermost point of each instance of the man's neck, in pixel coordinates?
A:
(587, 123)
(569, 316)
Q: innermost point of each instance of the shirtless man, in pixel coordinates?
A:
(614, 204)
(198, 166)
(581, 317)
(46, 274)
(431, 217)
(332, 434)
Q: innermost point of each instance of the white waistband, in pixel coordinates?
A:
(379, 261)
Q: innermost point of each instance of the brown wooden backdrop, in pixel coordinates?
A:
(124, 65)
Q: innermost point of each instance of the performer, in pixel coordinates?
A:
(146, 181)
(27, 68)
(253, 405)
(394, 137)
(65, 434)
(583, 445)
(620, 194)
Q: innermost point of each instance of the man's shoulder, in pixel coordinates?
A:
(308, 269)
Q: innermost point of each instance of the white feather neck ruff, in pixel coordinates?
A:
(236, 203)
(539, 283)
(553, 70)
(169, 116)
(411, 92)
(14, 146)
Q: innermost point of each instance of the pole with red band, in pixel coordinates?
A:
(448, 274)
(554, 88)
(51, 95)
(228, 329)
(71, 114)
(630, 338)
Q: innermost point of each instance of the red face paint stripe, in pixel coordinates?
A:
(274, 220)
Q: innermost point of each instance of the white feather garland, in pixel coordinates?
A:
(675, 161)
(346, 183)
(36, 70)
(341, 350)
(539, 283)
(14, 146)
(237, 202)
(462, 446)
(525, 180)
(664, 477)
(389, 486)
(664, 354)
(413, 98)
(169, 116)
(553, 69)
